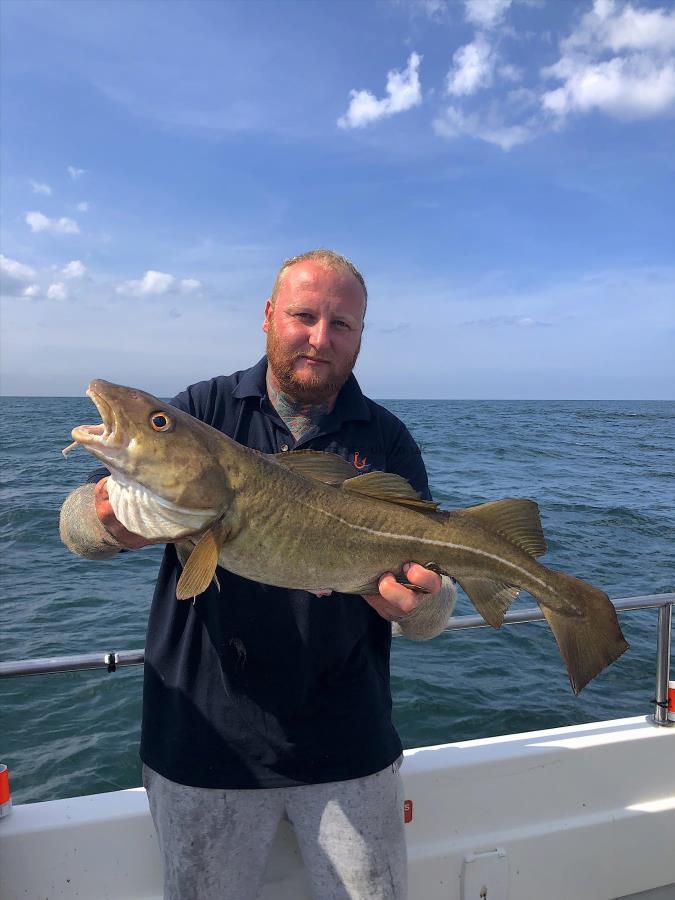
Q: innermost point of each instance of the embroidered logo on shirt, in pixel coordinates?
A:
(359, 463)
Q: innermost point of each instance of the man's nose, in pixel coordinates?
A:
(319, 336)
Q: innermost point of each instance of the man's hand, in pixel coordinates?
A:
(396, 602)
(111, 523)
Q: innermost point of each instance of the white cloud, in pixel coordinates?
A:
(57, 291)
(189, 285)
(626, 88)
(13, 269)
(638, 82)
(39, 222)
(14, 277)
(489, 127)
(473, 68)
(74, 269)
(39, 187)
(76, 173)
(152, 283)
(485, 13)
(83, 206)
(403, 92)
(623, 27)
(31, 291)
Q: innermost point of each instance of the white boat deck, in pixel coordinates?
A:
(579, 813)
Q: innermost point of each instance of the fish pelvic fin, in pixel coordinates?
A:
(588, 642)
(491, 598)
(515, 519)
(200, 568)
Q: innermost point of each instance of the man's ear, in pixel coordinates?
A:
(268, 314)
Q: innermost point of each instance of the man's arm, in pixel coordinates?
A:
(417, 616)
(89, 528)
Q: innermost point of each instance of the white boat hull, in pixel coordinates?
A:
(579, 813)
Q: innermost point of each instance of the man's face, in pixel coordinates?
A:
(314, 331)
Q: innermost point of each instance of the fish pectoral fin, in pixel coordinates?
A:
(200, 568)
(515, 519)
(326, 467)
(491, 598)
(390, 487)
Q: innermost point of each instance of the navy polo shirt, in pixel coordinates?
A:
(258, 686)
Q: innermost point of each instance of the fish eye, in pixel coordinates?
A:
(160, 421)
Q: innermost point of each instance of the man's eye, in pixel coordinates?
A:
(341, 324)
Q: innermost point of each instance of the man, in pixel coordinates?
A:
(262, 703)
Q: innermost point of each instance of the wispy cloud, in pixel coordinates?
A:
(40, 187)
(485, 13)
(488, 126)
(76, 173)
(57, 291)
(83, 206)
(473, 68)
(151, 284)
(403, 92)
(15, 277)
(190, 285)
(509, 321)
(39, 222)
(435, 10)
(74, 269)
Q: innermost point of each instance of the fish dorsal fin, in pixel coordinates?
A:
(200, 569)
(390, 487)
(326, 467)
(491, 598)
(515, 519)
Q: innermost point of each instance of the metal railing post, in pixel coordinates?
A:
(663, 665)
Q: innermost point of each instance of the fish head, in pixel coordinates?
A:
(147, 443)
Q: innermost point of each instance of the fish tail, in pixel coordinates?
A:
(590, 640)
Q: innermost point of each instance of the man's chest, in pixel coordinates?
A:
(357, 442)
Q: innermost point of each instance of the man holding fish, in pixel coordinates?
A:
(263, 702)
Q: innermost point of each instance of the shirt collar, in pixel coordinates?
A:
(350, 405)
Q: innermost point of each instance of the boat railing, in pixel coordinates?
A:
(112, 660)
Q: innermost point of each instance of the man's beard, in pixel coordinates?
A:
(312, 389)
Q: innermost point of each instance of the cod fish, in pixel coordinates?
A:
(305, 520)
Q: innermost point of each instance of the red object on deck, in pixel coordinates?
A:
(4, 785)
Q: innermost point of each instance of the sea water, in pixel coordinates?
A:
(603, 474)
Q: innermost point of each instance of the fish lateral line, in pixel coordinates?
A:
(430, 541)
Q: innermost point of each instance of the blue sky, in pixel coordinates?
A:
(500, 170)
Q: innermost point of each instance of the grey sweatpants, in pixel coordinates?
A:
(215, 843)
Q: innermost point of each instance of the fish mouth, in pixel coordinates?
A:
(108, 435)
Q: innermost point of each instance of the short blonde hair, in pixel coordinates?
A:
(327, 258)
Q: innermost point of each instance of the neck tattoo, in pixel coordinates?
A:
(300, 418)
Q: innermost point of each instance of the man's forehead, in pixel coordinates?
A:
(308, 279)
(305, 274)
